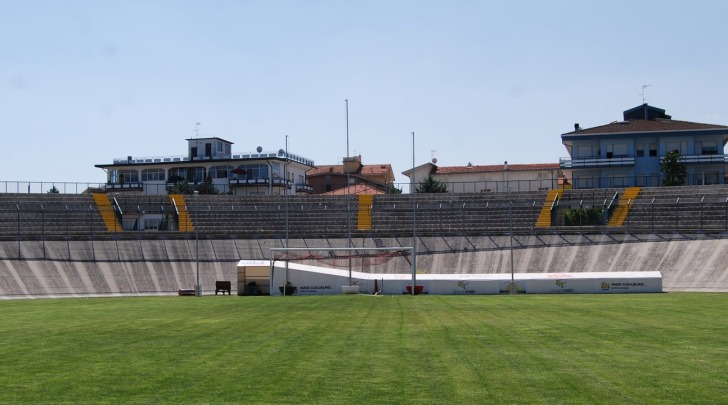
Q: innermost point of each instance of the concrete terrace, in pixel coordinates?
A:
(57, 245)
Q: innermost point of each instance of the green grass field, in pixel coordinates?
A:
(652, 348)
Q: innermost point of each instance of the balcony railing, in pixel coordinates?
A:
(598, 161)
(235, 156)
(702, 159)
(629, 160)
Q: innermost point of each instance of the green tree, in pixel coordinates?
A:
(391, 189)
(181, 187)
(207, 187)
(583, 216)
(184, 187)
(430, 185)
(674, 170)
(53, 190)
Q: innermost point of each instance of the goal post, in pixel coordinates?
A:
(359, 259)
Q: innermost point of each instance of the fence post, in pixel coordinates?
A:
(19, 254)
(42, 229)
(68, 239)
(677, 215)
(629, 221)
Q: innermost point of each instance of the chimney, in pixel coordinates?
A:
(352, 164)
(576, 127)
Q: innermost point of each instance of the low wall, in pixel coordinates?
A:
(86, 268)
(314, 280)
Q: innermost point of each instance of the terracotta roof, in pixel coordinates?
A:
(495, 168)
(657, 125)
(325, 169)
(339, 169)
(356, 190)
(376, 169)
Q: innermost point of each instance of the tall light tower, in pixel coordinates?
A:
(285, 191)
(348, 185)
(510, 224)
(414, 219)
(198, 287)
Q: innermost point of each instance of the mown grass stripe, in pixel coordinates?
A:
(664, 348)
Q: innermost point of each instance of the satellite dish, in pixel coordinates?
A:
(259, 149)
(281, 151)
(434, 160)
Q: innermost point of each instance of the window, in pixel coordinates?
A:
(617, 181)
(586, 151)
(125, 176)
(640, 150)
(710, 178)
(678, 146)
(254, 171)
(276, 169)
(706, 148)
(616, 150)
(220, 172)
(192, 174)
(152, 174)
(653, 150)
(151, 224)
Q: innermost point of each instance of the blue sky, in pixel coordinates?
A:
(84, 82)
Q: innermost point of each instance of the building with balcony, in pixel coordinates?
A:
(493, 178)
(250, 173)
(628, 153)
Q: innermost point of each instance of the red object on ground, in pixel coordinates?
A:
(418, 289)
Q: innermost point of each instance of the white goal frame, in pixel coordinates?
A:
(412, 250)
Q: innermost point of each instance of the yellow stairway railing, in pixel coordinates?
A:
(365, 212)
(185, 222)
(107, 213)
(625, 203)
(544, 218)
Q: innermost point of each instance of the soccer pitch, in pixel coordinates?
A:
(641, 348)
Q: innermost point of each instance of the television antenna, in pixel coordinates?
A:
(644, 86)
(197, 130)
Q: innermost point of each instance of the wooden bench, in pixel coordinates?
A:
(223, 286)
(186, 291)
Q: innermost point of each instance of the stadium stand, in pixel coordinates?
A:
(37, 215)
(225, 218)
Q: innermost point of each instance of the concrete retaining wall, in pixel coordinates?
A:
(84, 268)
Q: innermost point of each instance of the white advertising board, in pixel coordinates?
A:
(312, 280)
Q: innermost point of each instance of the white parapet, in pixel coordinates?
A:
(314, 280)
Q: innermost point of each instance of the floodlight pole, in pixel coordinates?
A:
(414, 219)
(348, 203)
(286, 192)
(198, 287)
(510, 224)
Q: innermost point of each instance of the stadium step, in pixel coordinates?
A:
(544, 218)
(185, 222)
(365, 212)
(625, 203)
(107, 213)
